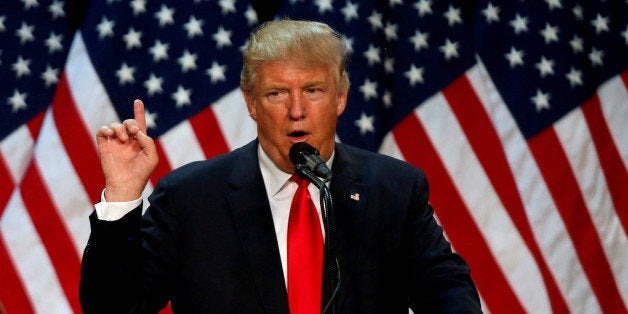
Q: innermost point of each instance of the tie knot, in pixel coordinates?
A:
(301, 182)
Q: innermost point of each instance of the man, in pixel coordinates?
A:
(215, 237)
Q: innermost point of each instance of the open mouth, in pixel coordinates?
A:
(297, 134)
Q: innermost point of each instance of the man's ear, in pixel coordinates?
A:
(342, 102)
(250, 105)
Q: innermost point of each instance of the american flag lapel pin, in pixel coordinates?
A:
(355, 196)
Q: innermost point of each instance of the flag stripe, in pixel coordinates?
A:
(550, 156)
(417, 149)
(32, 261)
(77, 140)
(238, 128)
(487, 147)
(177, 154)
(14, 299)
(208, 133)
(50, 228)
(576, 138)
(610, 160)
(614, 101)
(549, 229)
(163, 167)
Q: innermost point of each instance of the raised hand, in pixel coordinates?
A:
(127, 155)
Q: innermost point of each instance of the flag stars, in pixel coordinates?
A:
(30, 4)
(153, 85)
(17, 101)
(515, 57)
(575, 77)
(423, 7)
(554, 4)
(596, 57)
(159, 51)
(182, 97)
(415, 75)
(187, 61)
(56, 10)
(600, 23)
(578, 13)
(520, 24)
(375, 20)
(251, 16)
(165, 16)
(369, 89)
(194, 27)
(373, 55)
(577, 44)
(545, 67)
(550, 33)
(222, 37)
(53, 42)
(2, 27)
(105, 28)
(450, 49)
(350, 11)
(138, 6)
(348, 44)
(324, 6)
(389, 65)
(217, 72)
(419, 40)
(50, 76)
(151, 119)
(125, 74)
(491, 13)
(387, 99)
(390, 31)
(21, 67)
(625, 35)
(453, 16)
(25, 33)
(227, 6)
(365, 123)
(132, 39)
(541, 100)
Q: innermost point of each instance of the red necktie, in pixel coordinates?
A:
(305, 253)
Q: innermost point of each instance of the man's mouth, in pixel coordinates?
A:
(298, 136)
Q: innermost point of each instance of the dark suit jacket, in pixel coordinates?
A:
(207, 243)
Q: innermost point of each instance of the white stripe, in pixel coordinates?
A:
(181, 145)
(63, 184)
(389, 147)
(16, 149)
(31, 259)
(614, 101)
(233, 117)
(90, 96)
(547, 225)
(480, 198)
(573, 133)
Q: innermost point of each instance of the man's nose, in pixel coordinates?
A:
(296, 106)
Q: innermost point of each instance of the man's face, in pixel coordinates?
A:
(295, 103)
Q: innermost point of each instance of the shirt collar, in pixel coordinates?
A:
(274, 178)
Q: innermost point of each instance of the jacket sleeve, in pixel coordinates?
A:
(441, 281)
(126, 266)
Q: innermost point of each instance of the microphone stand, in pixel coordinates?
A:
(329, 221)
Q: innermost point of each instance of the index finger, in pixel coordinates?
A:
(138, 110)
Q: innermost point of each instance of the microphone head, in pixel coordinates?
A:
(299, 150)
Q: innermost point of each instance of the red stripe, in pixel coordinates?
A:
(562, 184)
(13, 293)
(34, 124)
(7, 189)
(610, 159)
(624, 77)
(464, 234)
(163, 167)
(53, 233)
(487, 147)
(208, 133)
(77, 140)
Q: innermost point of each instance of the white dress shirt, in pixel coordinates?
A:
(279, 189)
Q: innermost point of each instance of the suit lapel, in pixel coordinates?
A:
(252, 216)
(349, 196)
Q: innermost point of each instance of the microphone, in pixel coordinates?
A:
(307, 159)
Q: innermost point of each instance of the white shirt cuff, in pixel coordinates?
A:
(112, 211)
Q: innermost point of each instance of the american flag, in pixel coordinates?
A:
(516, 110)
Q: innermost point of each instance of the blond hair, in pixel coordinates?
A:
(313, 43)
